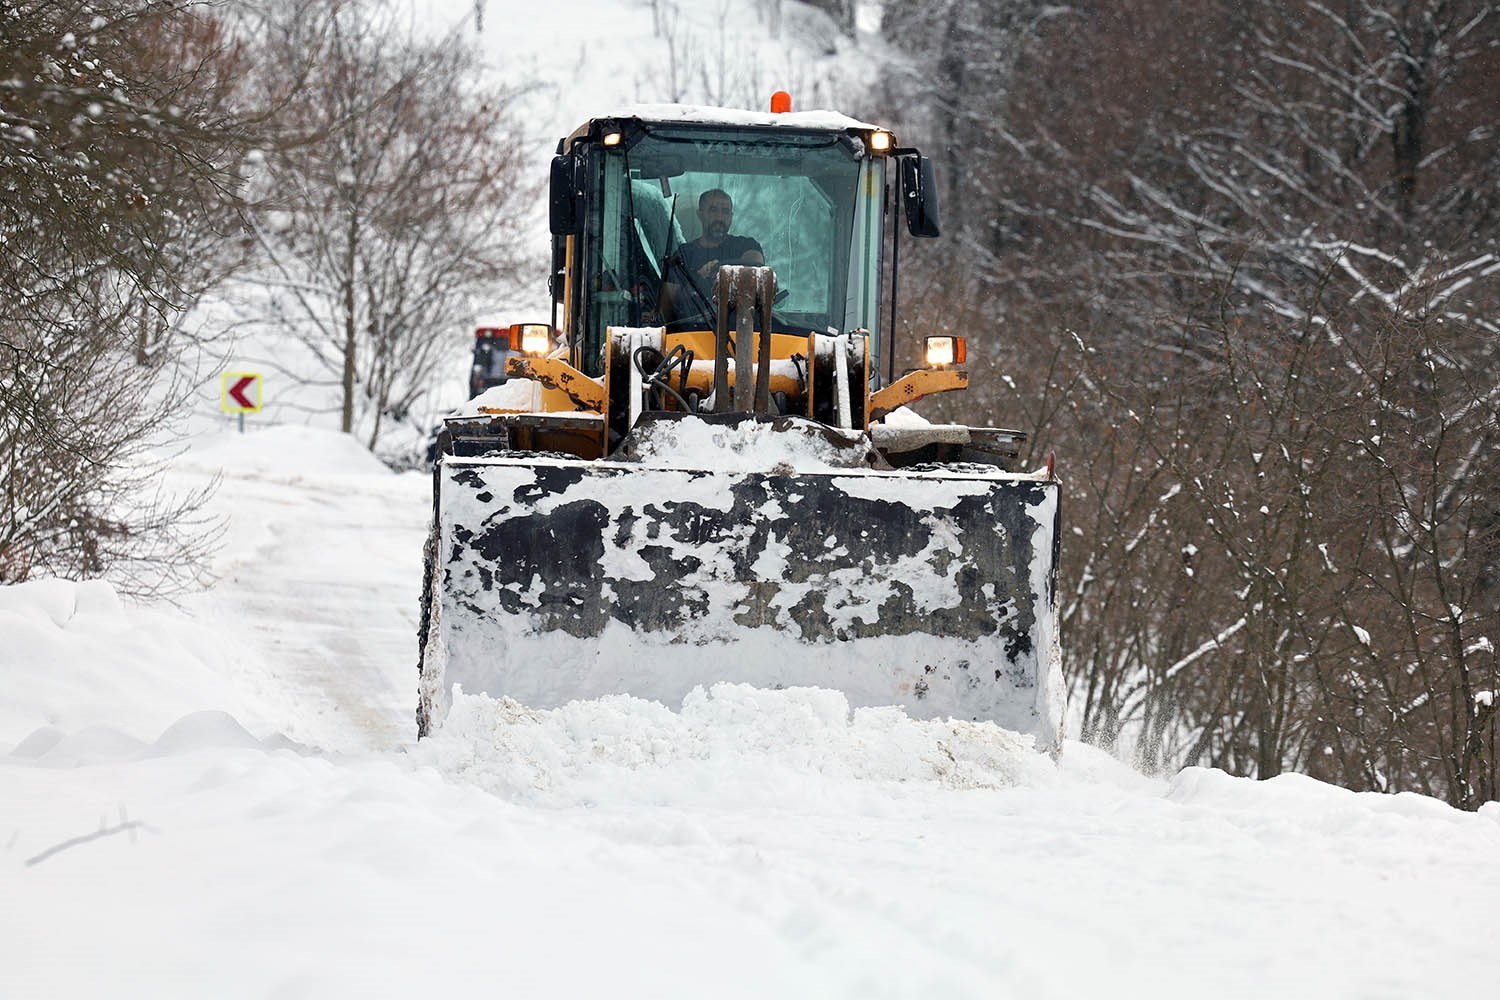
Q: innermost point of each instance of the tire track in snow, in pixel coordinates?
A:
(321, 575)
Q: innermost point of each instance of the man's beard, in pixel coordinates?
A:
(717, 231)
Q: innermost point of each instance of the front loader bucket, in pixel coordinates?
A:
(557, 579)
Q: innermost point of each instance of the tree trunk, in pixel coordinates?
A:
(351, 328)
(951, 69)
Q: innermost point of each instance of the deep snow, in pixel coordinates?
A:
(224, 797)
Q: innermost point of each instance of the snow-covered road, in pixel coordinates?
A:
(225, 799)
(328, 541)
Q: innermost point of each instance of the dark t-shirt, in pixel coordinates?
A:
(731, 251)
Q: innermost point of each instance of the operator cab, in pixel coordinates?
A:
(809, 189)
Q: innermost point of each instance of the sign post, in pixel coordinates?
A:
(240, 393)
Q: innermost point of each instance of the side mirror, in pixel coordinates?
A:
(563, 197)
(920, 196)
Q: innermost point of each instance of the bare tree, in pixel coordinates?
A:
(1286, 556)
(1243, 280)
(116, 157)
(1424, 592)
(715, 55)
(391, 196)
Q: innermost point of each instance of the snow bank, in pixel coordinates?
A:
(284, 452)
(101, 744)
(1296, 800)
(74, 655)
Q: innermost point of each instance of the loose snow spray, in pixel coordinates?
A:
(731, 744)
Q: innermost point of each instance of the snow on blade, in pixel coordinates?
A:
(749, 446)
(568, 580)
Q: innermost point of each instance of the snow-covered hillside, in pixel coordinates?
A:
(226, 799)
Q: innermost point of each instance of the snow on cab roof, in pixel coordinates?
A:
(699, 115)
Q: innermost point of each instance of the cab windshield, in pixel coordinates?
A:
(810, 202)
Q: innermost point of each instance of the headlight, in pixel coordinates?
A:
(534, 339)
(880, 142)
(944, 351)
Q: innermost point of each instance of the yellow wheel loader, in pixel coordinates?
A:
(701, 471)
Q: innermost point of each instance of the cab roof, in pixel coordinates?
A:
(819, 121)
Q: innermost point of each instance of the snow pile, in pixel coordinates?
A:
(1298, 800)
(512, 394)
(283, 453)
(73, 655)
(730, 746)
(750, 446)
(51, 746)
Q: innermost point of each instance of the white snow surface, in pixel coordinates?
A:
(517, 394)
(225, 799)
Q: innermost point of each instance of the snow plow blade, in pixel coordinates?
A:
(556, 579)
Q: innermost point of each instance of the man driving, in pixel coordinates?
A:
(702, 257)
